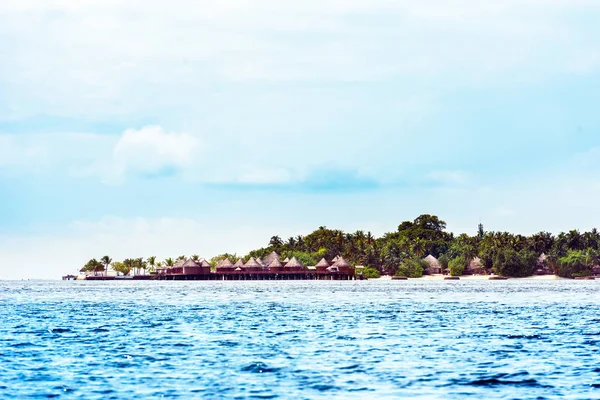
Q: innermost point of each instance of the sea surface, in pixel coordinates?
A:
(513, 339)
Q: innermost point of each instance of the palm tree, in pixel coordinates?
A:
(152, 262)
(195, 257)
(169, 262)
(106, 260)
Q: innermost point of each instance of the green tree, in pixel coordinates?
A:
(106, 260)
(411, 268)
(151, 261)
(457, 265)
(371, 273)
(509, 262)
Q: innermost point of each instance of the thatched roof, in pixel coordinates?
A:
(275, 264)
(252, 263)
(179, 264)
(335, 259)
(271, 257)
(475, 263)
(432, 261)
(341, 262)
(294, 263)
(204, 263)
(239, 263)
(287, 260)
(258, 260)
(190, 263)
(322, 263)
(225, 264)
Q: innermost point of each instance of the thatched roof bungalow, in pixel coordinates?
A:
(269, 259)
(191, 267)
(322, 265)
(475, 267)
(239, 263)
(253, 266)
(294, 265)
(342, 265)
(225, 266)
(434, 265)
(275, 266)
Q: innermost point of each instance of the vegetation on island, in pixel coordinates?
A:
(568, 254)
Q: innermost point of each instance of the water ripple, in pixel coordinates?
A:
(287, 339)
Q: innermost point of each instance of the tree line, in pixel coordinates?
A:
(401, 252)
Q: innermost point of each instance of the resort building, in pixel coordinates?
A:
(434, 266)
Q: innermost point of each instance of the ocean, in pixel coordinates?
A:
(512, 339)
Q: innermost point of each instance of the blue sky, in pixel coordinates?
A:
(139, 129)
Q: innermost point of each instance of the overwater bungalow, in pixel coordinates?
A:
(191, 267)
(275, 266)
(258, 260)
(239, 264)
(434, 265)
(293, 266)
(342, 265)
(322, 266)
(269, 259)
(252, 266)
(225, 267)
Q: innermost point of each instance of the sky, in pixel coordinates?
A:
(145, 128)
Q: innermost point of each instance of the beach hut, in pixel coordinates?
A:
(275, 266)
(542, 265)
(322, 266)
(258, 260)
(239, 263)
(342, 265)
(225, 266)
(475, 267)
(253, 266)
(293, 265)
(434, 265)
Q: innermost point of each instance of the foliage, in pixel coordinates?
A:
(371, 273)
(509, 262)
(457, 265)
(577, 263)
(411, 268)
(568, 253)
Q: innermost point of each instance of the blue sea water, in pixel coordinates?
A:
(300, 339)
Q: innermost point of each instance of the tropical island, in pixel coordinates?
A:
(419, 247)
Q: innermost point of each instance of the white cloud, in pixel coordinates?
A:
(118, 58)
(151, 149)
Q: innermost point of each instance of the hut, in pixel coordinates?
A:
(322, 266)
(342, 265)
(253, 266)
(275, 266)
(287, 260)
(269, 259)
(225, 266)
(191, 267)
(334, 260)
(542, 265)
(239, 263)
(475, 267)
(258, 260)
(434, 265)
(293, 266)
(177, 268)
